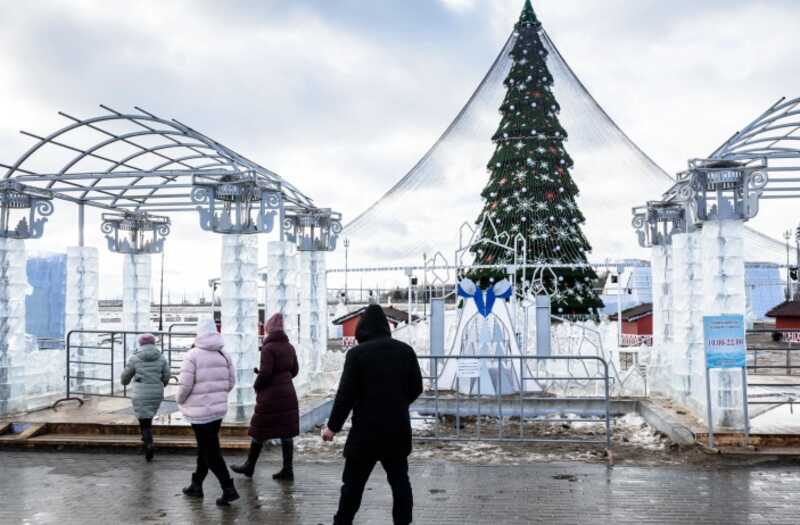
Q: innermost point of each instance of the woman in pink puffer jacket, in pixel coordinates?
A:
(207, 376)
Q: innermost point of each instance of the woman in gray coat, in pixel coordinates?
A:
(150, 373)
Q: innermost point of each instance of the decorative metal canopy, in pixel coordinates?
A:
(135, 233)
(762, 161)
(137, 165)
(134, 161)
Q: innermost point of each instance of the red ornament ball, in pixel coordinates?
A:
(503, 181)
(550, 196)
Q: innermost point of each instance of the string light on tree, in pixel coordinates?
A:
(530, 191)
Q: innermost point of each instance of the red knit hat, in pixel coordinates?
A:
(147, 339)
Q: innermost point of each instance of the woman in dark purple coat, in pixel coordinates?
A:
(277, 415)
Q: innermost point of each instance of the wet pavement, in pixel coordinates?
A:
(101, 487)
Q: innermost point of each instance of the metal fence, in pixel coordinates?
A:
(455, 408)
(95, 359)
(772, 353)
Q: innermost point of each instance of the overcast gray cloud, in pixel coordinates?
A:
(342, 98)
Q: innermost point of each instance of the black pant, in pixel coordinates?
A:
(355, 477)
(209, 454)
(145, 424)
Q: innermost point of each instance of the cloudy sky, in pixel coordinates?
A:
(343, 97)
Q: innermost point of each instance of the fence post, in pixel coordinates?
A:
(543, 313)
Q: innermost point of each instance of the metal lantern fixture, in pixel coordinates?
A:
(135, 233)
(720, 189)
(23, 210)
(237, 204)
(657, 221)
(312, 229)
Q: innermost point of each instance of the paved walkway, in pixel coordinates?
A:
(89, 488)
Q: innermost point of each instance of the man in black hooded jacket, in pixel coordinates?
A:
(381, 379)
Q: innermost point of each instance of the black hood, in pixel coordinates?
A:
(373, 324)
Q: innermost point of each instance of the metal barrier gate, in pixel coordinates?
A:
(465, 401)
(96, 358)
(770, 353)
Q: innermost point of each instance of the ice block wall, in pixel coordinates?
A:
(724, 293)
(282, 290)
(240, 318)
(13, 289)
(659, 369)
(685, 335)
(82, 314)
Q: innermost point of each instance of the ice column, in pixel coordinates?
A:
(13, 288)
(81, 313)
(660, 365)
(306, 312)
(319, 317)
(136, 293)
(240, 317)
(724, 293)
(282, 290)
(686, 313)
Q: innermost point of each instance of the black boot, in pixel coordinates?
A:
(149, 448)
(229, 494)
(195, 489)
(287, 472)
(248, 467)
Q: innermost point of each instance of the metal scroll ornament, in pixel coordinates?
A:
(312, 229)
(23, 211)
(135, 233)
(237, 204)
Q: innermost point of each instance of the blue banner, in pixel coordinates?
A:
(724, 341)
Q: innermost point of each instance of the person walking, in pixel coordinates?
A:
(149, 371)
(380, 380)
(277, 413)
(207, 376)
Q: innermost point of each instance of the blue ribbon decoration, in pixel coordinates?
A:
(485, 306)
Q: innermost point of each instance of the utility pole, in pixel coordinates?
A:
(161, 299)
(346, 267)
(788, 235)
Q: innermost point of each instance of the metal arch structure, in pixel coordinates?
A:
(148, 164)
(762, 161)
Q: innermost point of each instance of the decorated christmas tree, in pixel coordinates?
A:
(530, 192)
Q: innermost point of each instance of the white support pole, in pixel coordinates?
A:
(724, 293)
(82, 313)
(13, 288)
(240, 318)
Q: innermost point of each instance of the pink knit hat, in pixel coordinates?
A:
(147, 339)
(275, 324)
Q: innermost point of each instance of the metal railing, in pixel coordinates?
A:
(96, 358)
(788, 343)
(465, 403)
